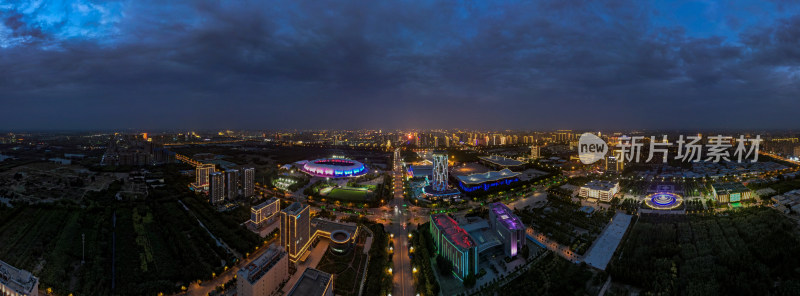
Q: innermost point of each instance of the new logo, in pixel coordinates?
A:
(591, 148)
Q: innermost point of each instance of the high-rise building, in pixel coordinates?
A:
(248, 182)
(455, 245)
(614, 165)
(265, 274)
(508, 227)
(232, 183)
(313, 282)
(439, 182)
(535, 152)
(797, 151)
(295, 230)
(202, 172)
(17, 282)
(217, 187)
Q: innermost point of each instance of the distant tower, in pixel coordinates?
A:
(217, 187)
(535, 152)
(439, 170)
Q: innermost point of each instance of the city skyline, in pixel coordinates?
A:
(541, 65)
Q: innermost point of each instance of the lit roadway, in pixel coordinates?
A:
(403, 281)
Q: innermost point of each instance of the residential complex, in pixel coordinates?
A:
(216, 187)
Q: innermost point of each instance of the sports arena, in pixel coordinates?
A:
(334, 168)
(663, 200)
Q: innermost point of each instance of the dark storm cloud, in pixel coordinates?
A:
(505, 64)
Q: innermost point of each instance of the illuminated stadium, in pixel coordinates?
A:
(334, 168)
(663, 200)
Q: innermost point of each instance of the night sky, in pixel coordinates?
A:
(399, 64)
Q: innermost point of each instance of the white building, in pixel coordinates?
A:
(17, 282)
(265, 274)
(602, 190)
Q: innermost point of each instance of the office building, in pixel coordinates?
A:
(232, 184)
(202, 172)
(455, 245)
(535, 154)
(264, 275)
(217, 187)
(313, 282)
(508, 227)
(263, 212)
(439, 182)
(731, 192)
(17, 282)
(614, 165)
(248, 182)
(295, 230)
(600, 189)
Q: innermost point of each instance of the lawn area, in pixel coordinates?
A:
(741, 252)
(349, 194)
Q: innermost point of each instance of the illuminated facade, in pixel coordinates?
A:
(295, 230)
(508, 227)
(17, 282)
(731, 192)
(439, 182)
(264, 211)
(202, 172)
(248, 182)
(535, 152)
(487, 181)
(264, 275)
(216, 187)
(455, 245)
(600, 189)
(334, 168)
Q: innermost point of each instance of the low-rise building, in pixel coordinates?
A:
(265, 211)
(313, 282)
(600, 189)
(17, 282)
(731, 192)
(265, 274)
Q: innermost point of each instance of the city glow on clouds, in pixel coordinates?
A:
(517, 64)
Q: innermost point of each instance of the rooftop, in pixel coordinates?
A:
(487, 177)
(265, 204)
(505, 216)
(501, 161)
(17, 279)
(600, 185)
(452, 231)
(727, 188)
(294, 208)
(261, 265)
(313, 282)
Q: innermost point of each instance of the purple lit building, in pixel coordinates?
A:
(508, 227)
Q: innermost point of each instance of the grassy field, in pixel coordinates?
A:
(345, 194)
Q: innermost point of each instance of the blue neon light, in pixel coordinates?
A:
(487, 186)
